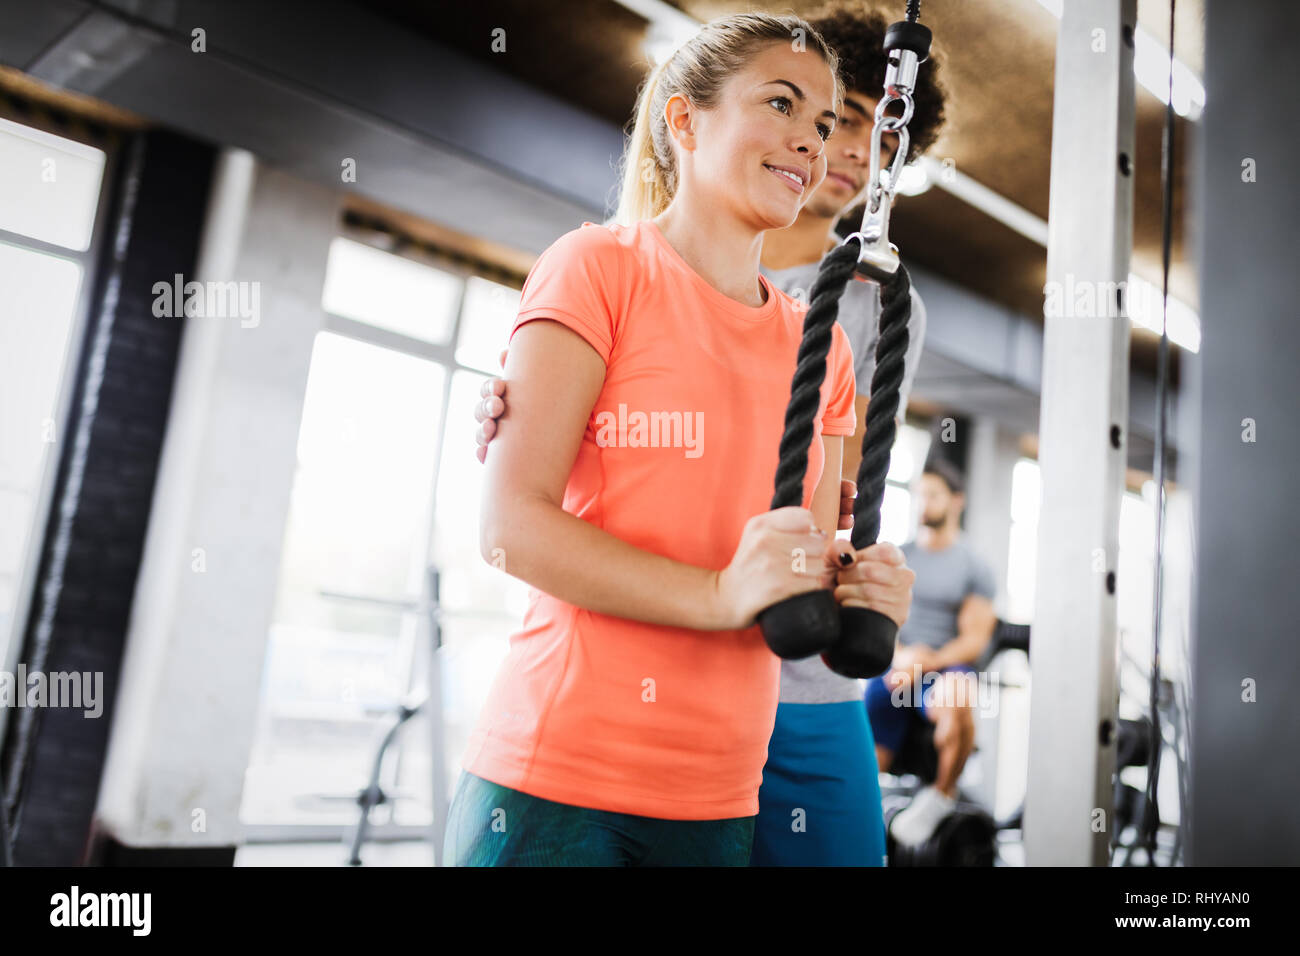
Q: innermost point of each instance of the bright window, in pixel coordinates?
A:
(387, 487)
(49, 186)
(483, 604)
(390, 292)
(345, 638)
(490, 310)
(1136, 556)
(49, 194)
(1022, 552)
(898, 510)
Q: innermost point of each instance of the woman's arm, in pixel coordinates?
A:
(826, 497)
(554, 378)
(853, 443)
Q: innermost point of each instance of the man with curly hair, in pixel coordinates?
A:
(820, 800)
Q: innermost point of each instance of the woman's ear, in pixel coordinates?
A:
(680, 116)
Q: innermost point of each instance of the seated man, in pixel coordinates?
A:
(951, 623)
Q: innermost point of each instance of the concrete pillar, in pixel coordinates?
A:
(203, 605)
(992, 453)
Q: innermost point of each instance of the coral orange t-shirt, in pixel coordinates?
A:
(679, 453)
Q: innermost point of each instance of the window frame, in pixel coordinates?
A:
(89, 259)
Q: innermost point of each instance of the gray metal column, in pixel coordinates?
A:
(1243, 784)
(1082, 439)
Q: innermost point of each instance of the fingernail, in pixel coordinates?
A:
(846, 558)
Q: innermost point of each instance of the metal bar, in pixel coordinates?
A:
(386, 338)
(434, 709)
(32, 244)
(1072, 715)
(992, 204)
(260, 834)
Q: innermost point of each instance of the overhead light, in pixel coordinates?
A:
(1143, 307)
(913, 180)
(663, 40)
(667, 27)
(1151, 68)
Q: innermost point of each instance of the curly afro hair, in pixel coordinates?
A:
(857, 34)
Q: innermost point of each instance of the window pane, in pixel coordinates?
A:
(358, 517)
(896, 515)
(358, 528)
(1025, 491)
(472, 651)
(1022, 550)
(490, 310)
(37, 309)
(1022, 555)
(482, 605)
(1135, 576)
(469, 583)
(36, 312)
(49, 186)
(389, 291)
(901, 463)
(324, 700)
(911, 445)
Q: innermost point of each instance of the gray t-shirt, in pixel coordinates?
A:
(944, 579)
(810, 681)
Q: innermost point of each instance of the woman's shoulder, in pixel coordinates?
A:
(591, 249)
(590, 238)
(596, 239)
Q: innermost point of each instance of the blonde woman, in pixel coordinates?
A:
(649, 371)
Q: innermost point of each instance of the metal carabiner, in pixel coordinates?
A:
(907, 46)
(878, 257)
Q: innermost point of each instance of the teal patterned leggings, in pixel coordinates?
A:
(491, 825)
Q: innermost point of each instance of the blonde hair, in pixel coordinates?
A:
(698, 70)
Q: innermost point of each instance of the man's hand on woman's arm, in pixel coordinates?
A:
(491, 406)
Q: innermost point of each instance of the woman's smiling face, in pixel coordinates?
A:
(761, 151)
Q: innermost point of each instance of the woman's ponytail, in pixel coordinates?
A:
(645, 190)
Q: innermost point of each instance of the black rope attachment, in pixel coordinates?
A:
(855, 642)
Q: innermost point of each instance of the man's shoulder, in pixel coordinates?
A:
(972, 554)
